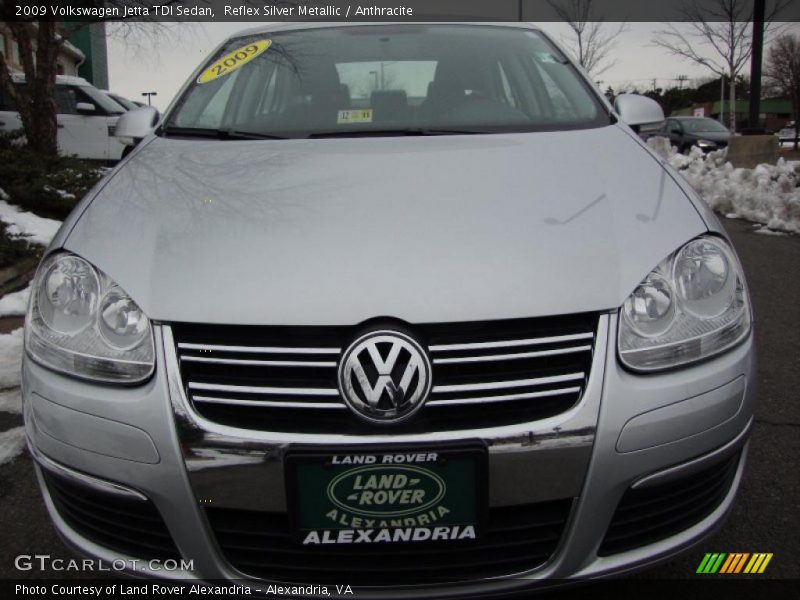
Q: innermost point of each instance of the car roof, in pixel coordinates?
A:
(63, 79)
(300, 26)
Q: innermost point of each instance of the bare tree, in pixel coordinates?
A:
(591, 41)
(718, 36)
(40, 44)
(782, 72)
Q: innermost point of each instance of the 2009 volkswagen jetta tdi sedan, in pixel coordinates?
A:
(408, 306)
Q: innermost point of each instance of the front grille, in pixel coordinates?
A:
(651, 514)
(131, 527)
(484, 373)
(517, 538)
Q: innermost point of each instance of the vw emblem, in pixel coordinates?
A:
(385, 377)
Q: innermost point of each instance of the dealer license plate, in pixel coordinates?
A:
(433, 495)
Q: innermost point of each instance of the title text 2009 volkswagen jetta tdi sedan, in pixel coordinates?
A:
(408, 306)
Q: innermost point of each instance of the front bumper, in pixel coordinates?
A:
(626, 430)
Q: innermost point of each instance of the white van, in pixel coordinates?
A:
(86, 119)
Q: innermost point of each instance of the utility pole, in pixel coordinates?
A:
(722, 99)
(681, 79)
(754, 122)
(149, 95)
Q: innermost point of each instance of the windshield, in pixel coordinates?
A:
(380, 79)
(102, 100)
(123, 102)
(697, 125)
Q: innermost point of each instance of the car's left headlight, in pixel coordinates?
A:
(706, 144)
(691, 306)
(81, 323)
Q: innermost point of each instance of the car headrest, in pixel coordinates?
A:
(386, 103)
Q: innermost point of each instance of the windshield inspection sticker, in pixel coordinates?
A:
(233, 60)
(348, 117)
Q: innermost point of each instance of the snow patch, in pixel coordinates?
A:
(11, 444)
(10, 359)
(767, 194)
(768, 231)
(61, 193)
(37, 230)
(15, 304)
(11, 401)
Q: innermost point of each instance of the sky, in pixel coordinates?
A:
(139, 67)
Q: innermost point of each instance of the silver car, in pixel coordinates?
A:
(404, 306)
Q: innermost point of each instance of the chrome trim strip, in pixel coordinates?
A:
(519, 355)
(248, 389)
(507, 397)
(513, 343)
(499, 385)
(267, 403)
(265, 363)
(100, 485)
(258, 349)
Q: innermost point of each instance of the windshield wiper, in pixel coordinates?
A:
(219, 134)
(390, 132)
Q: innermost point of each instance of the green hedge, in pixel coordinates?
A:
(13, 249)
(48, 187)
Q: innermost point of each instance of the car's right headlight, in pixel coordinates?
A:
(692, 306)
(81, 323)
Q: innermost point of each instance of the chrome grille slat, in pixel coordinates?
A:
(264, 363)
(274, 391)
(515, 356)
(513, 343)
(505, 397)
(269, 403)
(484, 374)
(257, 349)
(498, 385)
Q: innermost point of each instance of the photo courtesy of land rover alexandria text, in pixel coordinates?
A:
(406, 306)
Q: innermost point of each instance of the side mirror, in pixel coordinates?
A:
(136, 124)
(636, 110)
(85, 107)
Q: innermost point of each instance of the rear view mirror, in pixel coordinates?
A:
(85, 107)
(136, 124)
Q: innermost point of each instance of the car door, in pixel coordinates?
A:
(674, 132)
(81, 132)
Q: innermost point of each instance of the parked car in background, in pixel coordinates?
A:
(121, 100)
(788, 133)
(86, 119)
(650, 130)
(685, 132)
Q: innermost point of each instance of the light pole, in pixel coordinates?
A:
(754, 120)
(149, 95)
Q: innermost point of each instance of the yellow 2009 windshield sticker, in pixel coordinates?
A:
(233, 60)
(347, 117)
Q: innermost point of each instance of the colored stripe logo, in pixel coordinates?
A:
(734, 562)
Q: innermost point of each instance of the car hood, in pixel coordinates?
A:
(424, 229)
(711, 136)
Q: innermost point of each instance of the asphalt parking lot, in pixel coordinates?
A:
(765, 516)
